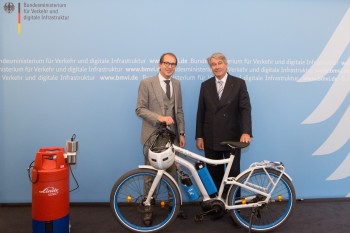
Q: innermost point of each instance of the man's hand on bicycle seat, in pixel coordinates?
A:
(245, 138)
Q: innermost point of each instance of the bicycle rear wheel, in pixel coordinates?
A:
(129, 193)
(270, 216)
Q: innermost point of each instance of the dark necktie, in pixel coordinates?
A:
(167, 88)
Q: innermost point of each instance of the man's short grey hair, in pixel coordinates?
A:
(218, 56)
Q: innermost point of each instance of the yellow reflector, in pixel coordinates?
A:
(279, 197)
(244, 201)
(129, 198)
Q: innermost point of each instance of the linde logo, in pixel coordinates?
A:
(50, 191)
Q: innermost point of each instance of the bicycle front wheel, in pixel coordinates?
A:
(129, 193)
(271, 215)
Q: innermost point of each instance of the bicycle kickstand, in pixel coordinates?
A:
(255, 212)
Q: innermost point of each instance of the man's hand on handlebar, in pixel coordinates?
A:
(167, 119)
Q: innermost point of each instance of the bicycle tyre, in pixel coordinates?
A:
(127, 197)
(271, 215)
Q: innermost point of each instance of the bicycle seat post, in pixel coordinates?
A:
(233, 151)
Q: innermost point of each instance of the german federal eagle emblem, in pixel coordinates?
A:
(9, 7)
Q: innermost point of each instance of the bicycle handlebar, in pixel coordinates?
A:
(163, 128)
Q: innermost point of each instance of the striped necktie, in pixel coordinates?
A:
(220, 88)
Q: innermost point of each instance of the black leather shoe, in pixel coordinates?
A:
(182, 214)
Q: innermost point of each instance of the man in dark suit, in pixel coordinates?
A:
(223, 114)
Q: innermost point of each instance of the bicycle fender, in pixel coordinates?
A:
(288, 176)
(168, 175)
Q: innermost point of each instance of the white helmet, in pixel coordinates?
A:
(162, 159)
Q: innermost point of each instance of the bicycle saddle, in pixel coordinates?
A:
(233, 144)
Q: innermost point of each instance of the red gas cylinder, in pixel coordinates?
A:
(50, 191)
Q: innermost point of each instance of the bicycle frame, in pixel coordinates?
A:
(225, 181)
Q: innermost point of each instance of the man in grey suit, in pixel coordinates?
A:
(154, 106)
(223, 114)
(160, 100)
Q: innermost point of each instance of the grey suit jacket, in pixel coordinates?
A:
(150, 105)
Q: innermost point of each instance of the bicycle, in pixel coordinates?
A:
(259, 199)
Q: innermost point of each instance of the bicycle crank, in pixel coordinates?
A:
(214, 208)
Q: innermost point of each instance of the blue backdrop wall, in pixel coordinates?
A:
(75, 66)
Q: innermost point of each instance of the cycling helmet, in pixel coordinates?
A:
(162, 158)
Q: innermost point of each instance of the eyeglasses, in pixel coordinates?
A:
(167, 64)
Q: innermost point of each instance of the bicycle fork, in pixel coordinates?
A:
(154, 185)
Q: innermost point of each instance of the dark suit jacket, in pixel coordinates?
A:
(225, 119)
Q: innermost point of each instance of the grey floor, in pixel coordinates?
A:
(310, 216)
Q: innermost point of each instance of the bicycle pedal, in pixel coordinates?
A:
(198, 218)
